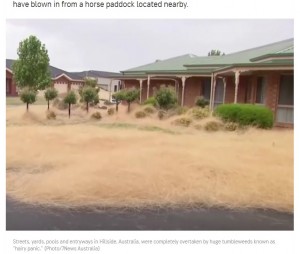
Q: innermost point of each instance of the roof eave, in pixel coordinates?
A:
(276, 55)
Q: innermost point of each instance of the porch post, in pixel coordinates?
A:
(148, 86)
(141, 88)
(237, 80)
(224, 82)
(183, 86)
(211, 92)
(214, 91)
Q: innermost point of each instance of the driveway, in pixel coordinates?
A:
(27, 217)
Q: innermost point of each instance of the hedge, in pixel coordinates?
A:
(246, 114)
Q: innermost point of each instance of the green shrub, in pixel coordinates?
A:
(183, 121)
(149, 110)
(200, 113)
(89, 95)
(166, 97)
(230, 126)
(246, 114)
(50, 115)
(140, 114)
(70, 99)
(201, 102)
(28, 96)
(110, 111)
(50, 94)
(129, 95)
(212, 125)
(96, 115)
(151, 101)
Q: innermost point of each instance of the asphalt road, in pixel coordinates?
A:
(26, 217)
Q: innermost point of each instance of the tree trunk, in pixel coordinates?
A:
(87, 106)
(48, 104)
(69, 110)
(27, 106)
(117, 106)
(128, 109)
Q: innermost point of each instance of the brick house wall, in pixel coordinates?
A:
(193, 88)
(12, 87)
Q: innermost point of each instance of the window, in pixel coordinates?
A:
(248, 91)
(261, 90)
(286, 90)
(285, 108)
(206, 89)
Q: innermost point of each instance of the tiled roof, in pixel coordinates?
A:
(55, 72)
(96, 74)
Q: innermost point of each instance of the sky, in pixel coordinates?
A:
(116, 44)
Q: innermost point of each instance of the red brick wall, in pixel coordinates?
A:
(229, 93)
(192, 90)
(154, 84)
(13, 86)
(242, 89)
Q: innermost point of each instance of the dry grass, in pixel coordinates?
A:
(78, 165)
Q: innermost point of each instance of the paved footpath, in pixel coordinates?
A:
(26, 217)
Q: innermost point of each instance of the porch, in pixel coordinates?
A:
(272, 88)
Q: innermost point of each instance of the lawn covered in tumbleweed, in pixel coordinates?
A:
(132, 165)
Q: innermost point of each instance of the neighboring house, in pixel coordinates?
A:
(63, 81)
(262, 75)
(11, 87)
(104, 79)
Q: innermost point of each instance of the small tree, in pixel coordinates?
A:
(130, 95)
(118, 96)
(70, 98)
(215, 52)
(50, 94)
(90, 82)
(89, 94)
(28, 96)
(201, 102)
(31, 69)
(166, 97)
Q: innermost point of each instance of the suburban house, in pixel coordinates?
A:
(11, 87)
(103, 78)
(63, 81)
(263, 75)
